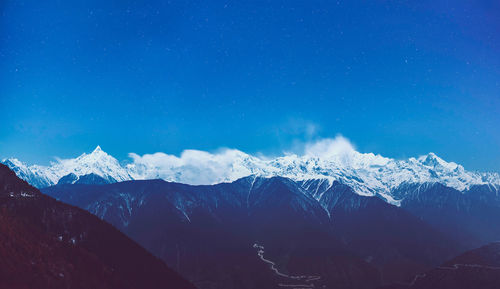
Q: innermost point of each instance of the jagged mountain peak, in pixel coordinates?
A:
(432, 160)
(97, 155)
(13, 161)
(97, 163)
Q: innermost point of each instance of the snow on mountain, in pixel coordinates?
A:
(331, 159)
(368, 174)
(37, 176)
(98, 162)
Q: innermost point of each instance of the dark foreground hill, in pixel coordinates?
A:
(47, 244)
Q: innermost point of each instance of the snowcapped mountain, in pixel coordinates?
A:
(368, 174)
(37, 176)
(98, 163)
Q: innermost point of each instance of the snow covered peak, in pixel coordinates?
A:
(97, 162)
(97, 157)
(97, 150)
(13, 162)
(432, 160)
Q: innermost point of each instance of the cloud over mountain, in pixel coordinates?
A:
(331, 159)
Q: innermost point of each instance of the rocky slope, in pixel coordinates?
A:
(47, 244)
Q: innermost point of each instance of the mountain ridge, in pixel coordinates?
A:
(366, 173)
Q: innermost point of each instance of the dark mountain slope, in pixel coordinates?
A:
(471, 217)
(475, 269)
(90, 179)
(208, 233)
(31, 259)
(205, 231)
(48, 244)
(390, 238)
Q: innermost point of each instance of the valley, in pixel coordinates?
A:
(318, 232)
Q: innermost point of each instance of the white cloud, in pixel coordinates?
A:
(192, 166)
(328, 147)
(201, 167)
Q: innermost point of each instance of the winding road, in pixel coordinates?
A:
(305, 280)
(452, 267)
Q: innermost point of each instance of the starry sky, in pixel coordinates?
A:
(397, 78)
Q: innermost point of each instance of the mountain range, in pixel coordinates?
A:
(367, 174)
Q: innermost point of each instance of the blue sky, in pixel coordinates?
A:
(397, 78)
